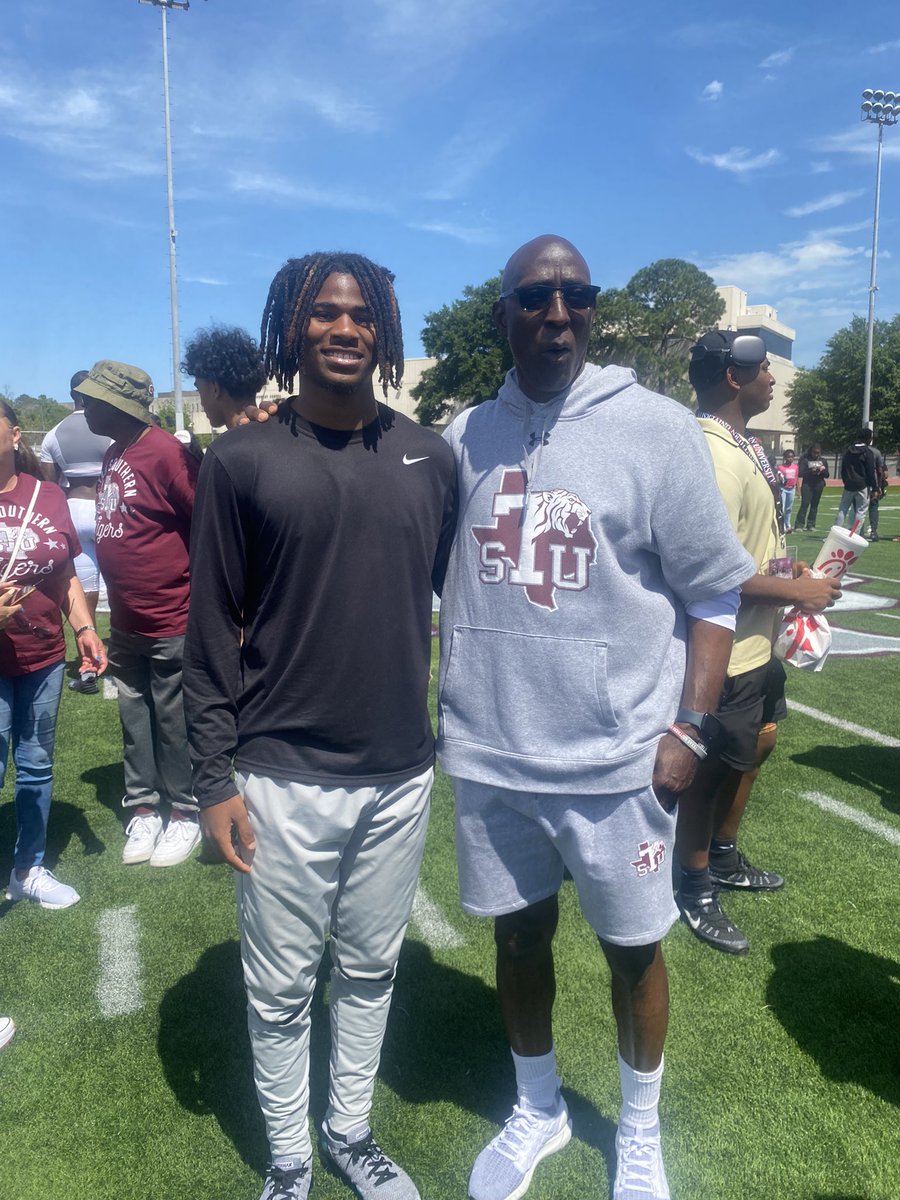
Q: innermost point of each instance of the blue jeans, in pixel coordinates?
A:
(28, 708)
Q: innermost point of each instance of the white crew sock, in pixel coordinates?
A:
(640, 1096)
(536, 1080)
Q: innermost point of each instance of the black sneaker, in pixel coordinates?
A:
(707, 920)
(364, 1165)
(86, 683)
(745, 877)
(284, 1183)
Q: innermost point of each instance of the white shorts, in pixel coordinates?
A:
(84, 518)
(513, 847)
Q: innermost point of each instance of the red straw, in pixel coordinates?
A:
(856, 525)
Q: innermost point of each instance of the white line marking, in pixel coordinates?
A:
(119, 988)
(880, 828)
(890, 616)
(110, 689)
(880, 578)
(430, 921)
(870, 734)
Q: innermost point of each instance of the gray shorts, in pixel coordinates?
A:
(512, 848)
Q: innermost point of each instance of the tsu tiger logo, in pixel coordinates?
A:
(552, 548)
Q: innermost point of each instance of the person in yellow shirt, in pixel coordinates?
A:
(731, 375)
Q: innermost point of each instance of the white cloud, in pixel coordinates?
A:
(738, 160)
(471, 235)
(780, 58)
(833, 200)
(883, 47)
(820, 168)
(277, 187)
(713, 90)
(861, 141)
(203, 279)
(802, 266)
(464, 157)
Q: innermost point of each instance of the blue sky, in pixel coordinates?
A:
(434, 137)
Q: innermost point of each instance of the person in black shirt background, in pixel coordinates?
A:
(318, 537)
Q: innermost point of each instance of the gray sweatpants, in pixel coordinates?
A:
(155, 748)
(326, 857)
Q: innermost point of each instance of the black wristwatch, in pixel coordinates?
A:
(708, 726)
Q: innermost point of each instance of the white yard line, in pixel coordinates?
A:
(890, 616)
(437, 932)
(119, 988)
(110, 690)
(880, 578)
(880, 828)
(870, 735)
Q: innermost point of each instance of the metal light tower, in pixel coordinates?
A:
(881, 108)
(163, 6)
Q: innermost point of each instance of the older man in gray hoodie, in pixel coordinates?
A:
(585, 632)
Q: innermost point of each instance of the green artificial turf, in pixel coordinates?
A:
(782, 1068)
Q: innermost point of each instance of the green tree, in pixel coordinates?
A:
(825, 403)
(472, 357)
(166, 414)
(651, 322)
(39, 413)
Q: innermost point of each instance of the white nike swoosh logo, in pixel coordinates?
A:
(408, 462)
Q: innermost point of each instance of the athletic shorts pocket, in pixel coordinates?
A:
(527, 695)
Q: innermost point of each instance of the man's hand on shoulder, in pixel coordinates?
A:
(268, 408)
(226, 827)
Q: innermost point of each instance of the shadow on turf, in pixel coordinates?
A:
(445, 1042)
(840, 1006)
(67, 821)
(871, 767)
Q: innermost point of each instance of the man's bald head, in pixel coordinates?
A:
(546, 248)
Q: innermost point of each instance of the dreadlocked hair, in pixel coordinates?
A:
(290, 302)
(26, 459)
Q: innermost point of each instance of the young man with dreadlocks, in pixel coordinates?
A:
(318, 537)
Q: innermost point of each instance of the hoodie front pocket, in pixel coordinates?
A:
(527, 695)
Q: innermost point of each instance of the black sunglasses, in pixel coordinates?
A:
(535, 296)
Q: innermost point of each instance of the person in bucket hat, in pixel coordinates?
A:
(144, 505)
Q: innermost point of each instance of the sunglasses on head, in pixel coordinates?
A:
(535, 296)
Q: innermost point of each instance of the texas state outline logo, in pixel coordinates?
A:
(551, 550)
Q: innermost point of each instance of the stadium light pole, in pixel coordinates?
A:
(164, 6)
(880, 108)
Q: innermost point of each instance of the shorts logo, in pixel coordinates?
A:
(551, 549)
(651, 856)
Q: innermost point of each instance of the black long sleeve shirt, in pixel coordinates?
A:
(313, 558)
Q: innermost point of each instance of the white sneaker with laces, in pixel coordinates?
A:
(7, 1029)
(143, 833)
(504, 1168)
(41, 886)
(639, 1166)
(180, 839)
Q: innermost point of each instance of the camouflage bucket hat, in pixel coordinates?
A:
(121, 386)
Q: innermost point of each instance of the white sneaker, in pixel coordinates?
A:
(41, 886)
(504, 1168)
(639, 1165)
(181, 838)
(7, 1029)
(143, 834)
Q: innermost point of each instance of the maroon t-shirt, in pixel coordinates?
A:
(34, 639)
(144, 502)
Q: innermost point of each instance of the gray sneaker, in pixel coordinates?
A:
(504, 1168)
(361, 1162)
(288, 1183)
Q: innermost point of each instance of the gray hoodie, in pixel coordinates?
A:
(585, 526)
